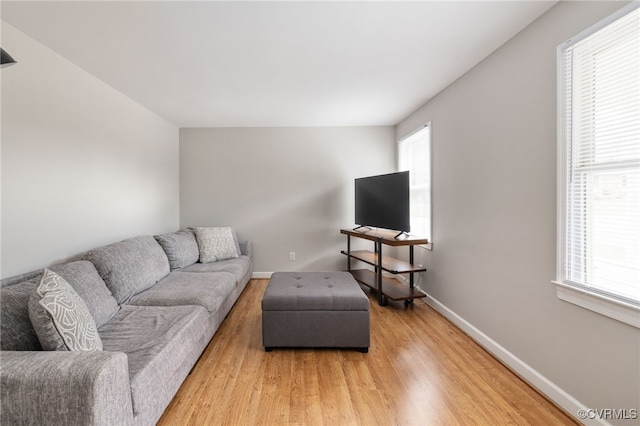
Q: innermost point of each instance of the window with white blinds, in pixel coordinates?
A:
(599, 159)
(414, 154)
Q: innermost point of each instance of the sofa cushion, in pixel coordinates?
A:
(181, 248)
(162, 344)
(91, 288)
(189, 288)
(238, 267)
(217, 243)
(16, 331)
(130, 266)
(60, 317)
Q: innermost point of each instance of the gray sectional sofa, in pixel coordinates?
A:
(155, 308)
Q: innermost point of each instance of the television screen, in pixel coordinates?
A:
(383, 201)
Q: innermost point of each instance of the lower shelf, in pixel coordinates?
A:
(391, 288)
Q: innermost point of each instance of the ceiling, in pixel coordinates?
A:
(262, 64)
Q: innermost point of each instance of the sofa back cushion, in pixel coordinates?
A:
(91, 288)
(15, 325)
(130, 266)
(181, 248)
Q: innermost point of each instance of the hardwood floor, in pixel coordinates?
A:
(420, 370)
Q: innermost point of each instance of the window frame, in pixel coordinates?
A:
(425, 127)
(618, 308)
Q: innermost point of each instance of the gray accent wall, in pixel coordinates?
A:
(494, 217)
(82, 165)
(285, 189)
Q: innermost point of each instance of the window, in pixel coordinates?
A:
(599, 167)
(414, 154)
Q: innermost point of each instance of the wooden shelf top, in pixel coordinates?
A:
(385, 236)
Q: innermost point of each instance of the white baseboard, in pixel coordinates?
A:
(261, 275)
(561, 398)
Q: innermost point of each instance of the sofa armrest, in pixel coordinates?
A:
(246, 248)
(70, 388)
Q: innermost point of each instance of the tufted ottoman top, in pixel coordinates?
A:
(314, 291)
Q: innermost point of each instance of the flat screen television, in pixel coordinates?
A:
(382, 201)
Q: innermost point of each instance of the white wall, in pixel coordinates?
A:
(285, 189)
(82, 165)
(494, 217)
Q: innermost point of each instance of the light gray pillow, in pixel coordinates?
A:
(60, 317)
(217, 243)
(181, 248)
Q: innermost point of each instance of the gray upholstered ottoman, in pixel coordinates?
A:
(315, 309)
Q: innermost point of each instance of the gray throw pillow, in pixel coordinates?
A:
(60, 317)
(181, 248)
(217, 243)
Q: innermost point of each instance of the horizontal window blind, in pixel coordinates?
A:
(601, 142)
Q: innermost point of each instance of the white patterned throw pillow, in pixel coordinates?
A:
(216, 243)
(60, 317)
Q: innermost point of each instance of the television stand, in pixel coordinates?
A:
(386, 288)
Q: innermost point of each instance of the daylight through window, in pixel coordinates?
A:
(414, 154)
(599, 146)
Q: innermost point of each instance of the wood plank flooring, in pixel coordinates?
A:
(420, 370)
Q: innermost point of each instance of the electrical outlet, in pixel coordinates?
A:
(292, 255)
